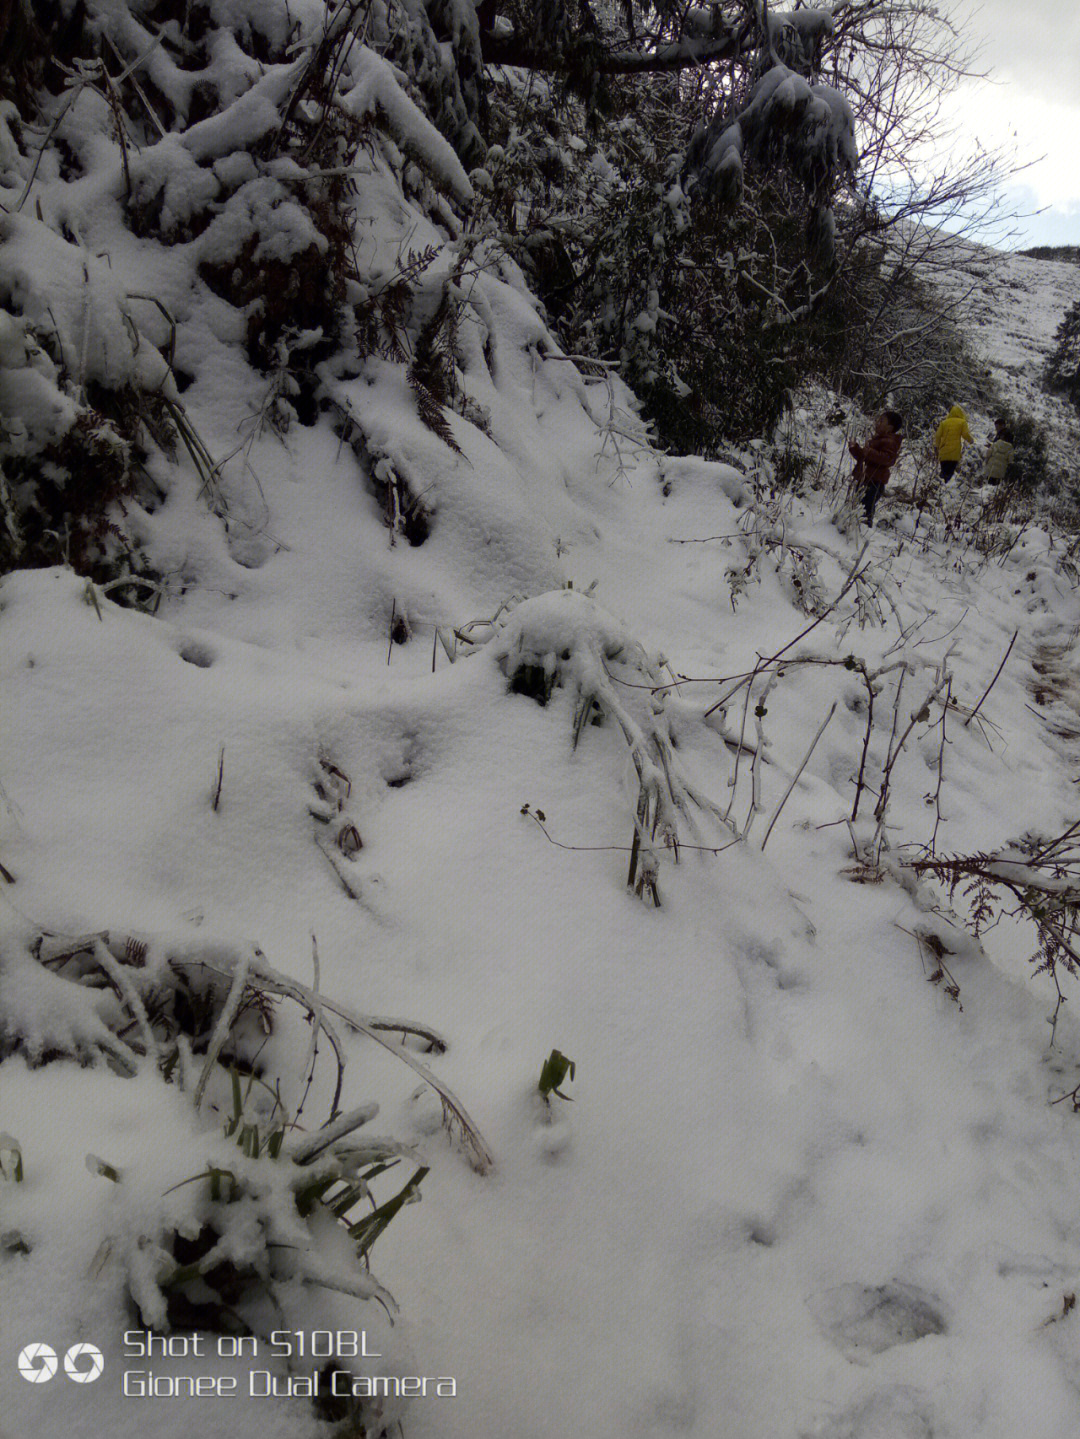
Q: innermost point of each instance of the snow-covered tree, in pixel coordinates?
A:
(703, 214)
(766, 103)
(1063, 367)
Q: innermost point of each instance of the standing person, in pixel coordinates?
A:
(1000, 454)
(949, 441)
(875, 459)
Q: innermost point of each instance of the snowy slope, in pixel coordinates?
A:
(1014, 304)
(800, 1189)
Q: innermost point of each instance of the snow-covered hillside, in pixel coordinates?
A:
(1013, 305)
(415, 681)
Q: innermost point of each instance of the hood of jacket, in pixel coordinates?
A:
(956, 413)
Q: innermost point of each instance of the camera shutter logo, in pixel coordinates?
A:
(83, 1363)
(37, 1363)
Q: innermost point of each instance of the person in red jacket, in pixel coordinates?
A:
(875, 459)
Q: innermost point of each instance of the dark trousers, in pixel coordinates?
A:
(948, 469)
(871, 495)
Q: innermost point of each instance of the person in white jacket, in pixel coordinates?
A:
(999, 455)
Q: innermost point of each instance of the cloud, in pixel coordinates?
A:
(1028, 107)
(1038, 226)
(1031, 100)
(1034, 44)
(1044, 132)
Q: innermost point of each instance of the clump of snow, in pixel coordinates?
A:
(62, 288)
(375, 89)
(810, 125)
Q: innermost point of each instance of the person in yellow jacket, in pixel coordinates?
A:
(949, 441)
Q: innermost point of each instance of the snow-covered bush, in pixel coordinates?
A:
(566, 641)
(246, 178)
(1035, 879)
(80, 392)
(690, 300)
(264, 1207)
(129, 998)
(257, 1222)
(786, 120)
(771, 536)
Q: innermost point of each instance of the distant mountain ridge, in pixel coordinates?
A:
(1053, 252)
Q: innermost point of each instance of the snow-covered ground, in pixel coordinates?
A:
(800, 1188)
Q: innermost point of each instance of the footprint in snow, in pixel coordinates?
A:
(864, 1320)
(194, 652)
(901, 1414)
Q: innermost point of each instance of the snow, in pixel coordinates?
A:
(798, 1189)
(375, 88)
(812, 123)
(81, 299)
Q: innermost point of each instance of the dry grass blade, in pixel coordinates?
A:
(123, 983)
(220, 779)
(209, 470)
(273, 982)
(479, 1156)
(224, 1022)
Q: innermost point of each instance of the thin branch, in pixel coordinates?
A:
(616, 848)
(855, 574)
(798, 773)
(220, 778)
(517, 51)
(993, 682)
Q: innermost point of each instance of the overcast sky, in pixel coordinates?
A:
(1032, 100)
